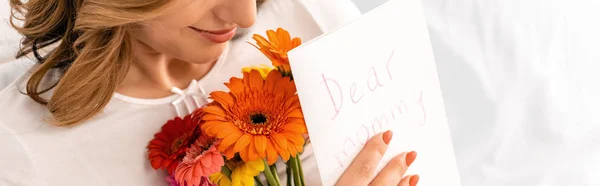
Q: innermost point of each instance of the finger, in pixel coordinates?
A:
(393, 172)
(363, 166)
(413, 180)
(405, 181)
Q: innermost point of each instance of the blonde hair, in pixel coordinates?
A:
(93, 49)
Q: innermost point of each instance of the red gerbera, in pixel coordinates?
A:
(169, 146)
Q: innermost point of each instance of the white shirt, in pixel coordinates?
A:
(110, 149)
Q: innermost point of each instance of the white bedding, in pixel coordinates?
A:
(521, 86)
(9, 38)
(520, 82)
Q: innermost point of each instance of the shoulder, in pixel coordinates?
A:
(13, 70)
(17, 108)
(18, 116)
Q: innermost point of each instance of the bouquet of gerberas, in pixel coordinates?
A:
(242, 133)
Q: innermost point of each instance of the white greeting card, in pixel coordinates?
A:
(372, 75)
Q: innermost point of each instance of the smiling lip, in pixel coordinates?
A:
(219, 36)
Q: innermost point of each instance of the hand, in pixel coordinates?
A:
(361, 171)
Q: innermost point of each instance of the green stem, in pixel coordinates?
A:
(257, 181)
(270, 179)
(275, 173)
(295, 169)
(300, 171)
(288, 170)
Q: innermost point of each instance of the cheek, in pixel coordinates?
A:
(168, 40)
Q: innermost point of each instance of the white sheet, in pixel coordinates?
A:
(9, 38)
(521, 86)
(520, 82)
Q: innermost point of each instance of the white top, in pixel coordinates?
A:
(111, 149)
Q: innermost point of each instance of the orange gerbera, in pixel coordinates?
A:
(259, 118)
(277, 47)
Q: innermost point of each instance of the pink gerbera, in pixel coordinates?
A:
(201, 160)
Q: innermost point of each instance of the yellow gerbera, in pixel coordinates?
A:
(220, 179)
(263, 69)
(242, 174)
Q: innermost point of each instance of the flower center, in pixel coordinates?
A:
(176, 145)
(258, 119)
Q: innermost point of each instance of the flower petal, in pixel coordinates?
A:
(281, 82)
(197, 173)
(290, 89)
(283, 153)
(206, 161)
(188, 175)
(296, 113)
(242, 142)
(226, 130)
(246, 79)
(261, 41)
(272, 78)
(272, 35)
(292, 149)
(295, 127)
(252, 154)
(229, 140)
(229, 153)
(299, 147)
(279, 140)
(260, 142)
(256, 80)
(257, 166)
(214, 109)
(284, 39)
(248, 180)
(212, 117)
(236, 86)
(244, 154)
(218, 160)
(223, 98)
(271, 152)
(294, 138)
(212, 127)
(296, 42)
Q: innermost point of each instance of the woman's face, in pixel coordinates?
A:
(196, 31)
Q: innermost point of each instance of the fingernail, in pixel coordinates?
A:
(387, 137)
(410, 158)
(413, 180)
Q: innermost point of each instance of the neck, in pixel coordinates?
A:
(152, 74)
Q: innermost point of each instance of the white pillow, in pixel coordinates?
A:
(9, 37)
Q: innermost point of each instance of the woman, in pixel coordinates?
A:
(114, 71)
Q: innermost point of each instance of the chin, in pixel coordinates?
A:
(209, 55)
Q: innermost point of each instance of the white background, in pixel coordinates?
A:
(366, 5)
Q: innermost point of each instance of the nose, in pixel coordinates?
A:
(240, 12)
